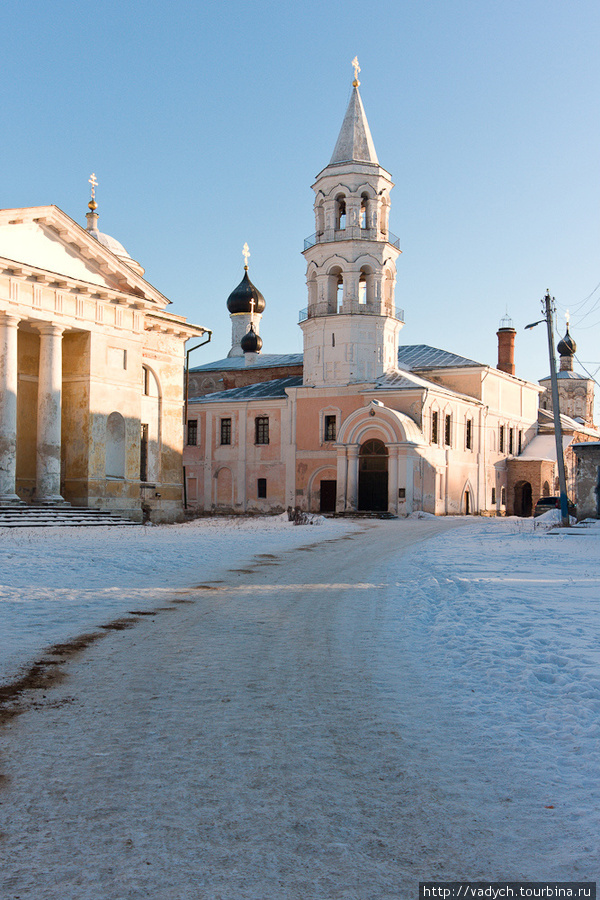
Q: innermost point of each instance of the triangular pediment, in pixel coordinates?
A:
(47, 239)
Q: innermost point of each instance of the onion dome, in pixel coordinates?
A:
(251, 342)
(245, 298)
(567, 347)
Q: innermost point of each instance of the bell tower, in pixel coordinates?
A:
(351, 324)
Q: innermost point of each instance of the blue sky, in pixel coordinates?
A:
(206, 124)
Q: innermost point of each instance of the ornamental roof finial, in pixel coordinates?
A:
(356, 82)
(246, 255)
(94, 183)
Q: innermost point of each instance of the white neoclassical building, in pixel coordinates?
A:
(91, 372)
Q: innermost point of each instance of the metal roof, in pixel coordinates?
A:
(412, 356)
(422, 356)
(263, 390)
(263, 361)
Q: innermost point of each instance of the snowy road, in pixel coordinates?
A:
(271, 735)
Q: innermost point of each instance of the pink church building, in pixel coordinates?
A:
(357, 422)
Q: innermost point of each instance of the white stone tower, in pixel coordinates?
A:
(351, 325)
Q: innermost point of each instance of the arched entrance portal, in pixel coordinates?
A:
(373, 476)
(522, 504)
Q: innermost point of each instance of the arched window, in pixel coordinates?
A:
(115, 446)
(340, 212)
(150, 427)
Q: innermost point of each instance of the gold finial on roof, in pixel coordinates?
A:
(246, 255)
(356, 82)
(94, 183)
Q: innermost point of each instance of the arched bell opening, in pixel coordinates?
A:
(340, 212)
(364, 211)
(373, 476)
(366, 286)
(335, 289)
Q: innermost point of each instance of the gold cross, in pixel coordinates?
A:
(246, 255)
(92, 180)
(356, 82)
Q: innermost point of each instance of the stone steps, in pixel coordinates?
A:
(38, 516)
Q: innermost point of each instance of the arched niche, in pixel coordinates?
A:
(115, 446)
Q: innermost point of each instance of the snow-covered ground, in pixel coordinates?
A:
(56, 583)
(394, 706)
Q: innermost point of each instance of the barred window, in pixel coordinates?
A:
(261, 488)
(520, 444)
(493, 496)
(330, 428)
(261, 427)
(469, 434)
(448, 431)
(501, 439)
(434, 427)
(511, 440)
(192, 432)
(225, 431)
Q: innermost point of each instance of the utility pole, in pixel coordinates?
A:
(560, 459)
(548, 308)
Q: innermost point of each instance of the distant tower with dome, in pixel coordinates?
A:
(575, 391)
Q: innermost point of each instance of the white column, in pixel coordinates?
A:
(352, 494)
(47, 488)
(342, 470)
(8, 407)
(393, 479)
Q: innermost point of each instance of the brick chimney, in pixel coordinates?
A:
(506, 345)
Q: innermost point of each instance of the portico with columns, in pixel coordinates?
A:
(85, 342)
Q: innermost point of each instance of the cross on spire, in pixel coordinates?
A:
(356, 82)
(94, 183)
(246, 255)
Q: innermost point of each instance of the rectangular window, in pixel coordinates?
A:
(448, 431)
(330, 428)
(261, 427)
(192, 434)
(225, 431)
(434, 427)
(469, 434)
(511, 440)
(503, 496)
(261, 488)
(493, 496)
(520, 444)
(501, 439)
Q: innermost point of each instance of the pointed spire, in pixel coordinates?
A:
(355, 143)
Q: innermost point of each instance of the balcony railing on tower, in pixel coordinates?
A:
(352, 233)
(356, 310)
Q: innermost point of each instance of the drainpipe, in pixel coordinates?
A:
(185, 401)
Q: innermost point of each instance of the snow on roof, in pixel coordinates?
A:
(546, 421)
(543, 446)
(263, 390)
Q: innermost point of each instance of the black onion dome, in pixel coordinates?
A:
(239, 301)
(251, 342)
(567, 346)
